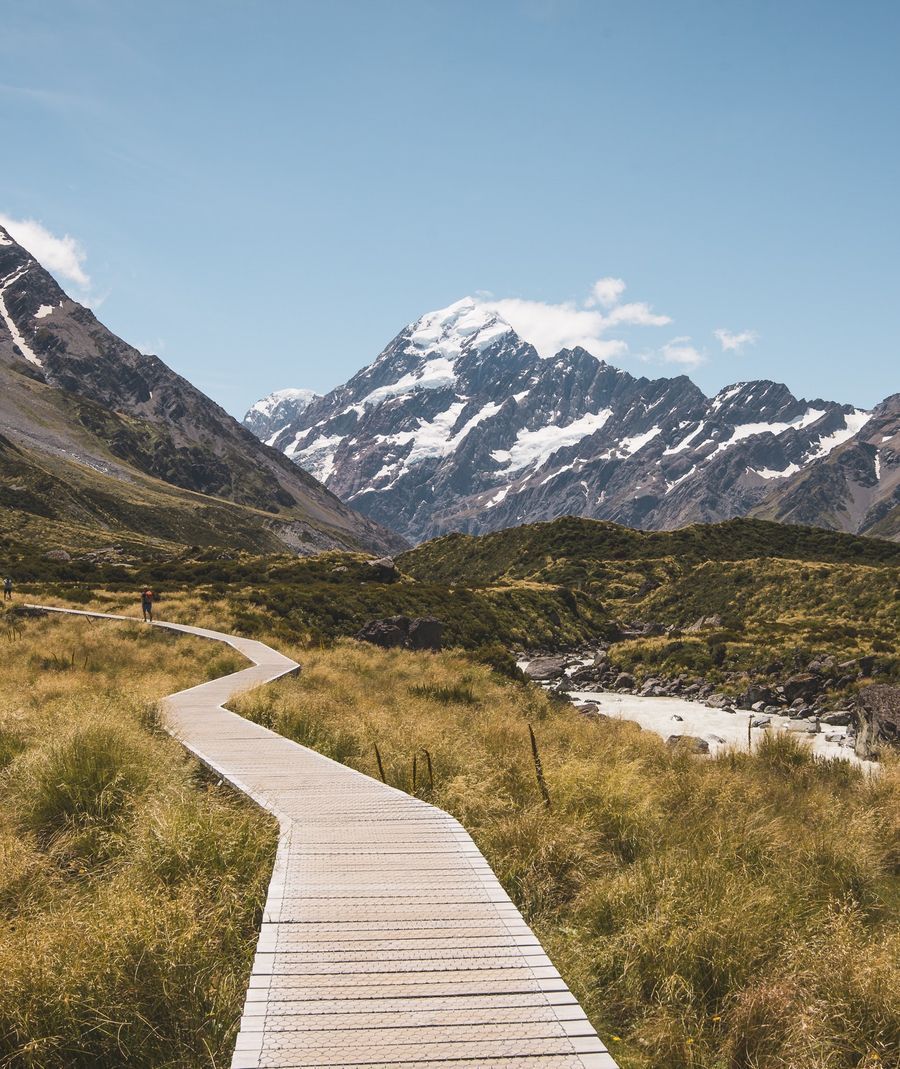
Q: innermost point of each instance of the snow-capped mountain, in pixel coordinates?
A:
(272, 414)
(459, 424)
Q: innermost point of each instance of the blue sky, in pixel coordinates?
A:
(264, 193)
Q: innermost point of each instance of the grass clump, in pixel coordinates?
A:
(130, 887)
(732, 913)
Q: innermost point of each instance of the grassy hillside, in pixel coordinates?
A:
(781, 596)
(573, 549)
(112, 846)
(77, 475)
(737, 913)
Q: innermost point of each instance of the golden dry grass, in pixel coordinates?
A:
(737, 913)
(130, 886)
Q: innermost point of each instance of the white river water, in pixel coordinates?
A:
(720, 729)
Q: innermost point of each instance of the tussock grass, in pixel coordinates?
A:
(130, 887)
(734, 913)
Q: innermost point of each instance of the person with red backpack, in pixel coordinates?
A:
(147, 605)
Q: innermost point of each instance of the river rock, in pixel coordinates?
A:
(840, 718)
(688, 743)
(753, 694)
(545, 668)
(624, 680)
(802, 685)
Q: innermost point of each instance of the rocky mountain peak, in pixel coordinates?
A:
(459, 424)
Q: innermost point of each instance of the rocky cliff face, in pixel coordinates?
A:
(460, 425)
(124, 411)
(855, 487)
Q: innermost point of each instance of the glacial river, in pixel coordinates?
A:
(718, 728)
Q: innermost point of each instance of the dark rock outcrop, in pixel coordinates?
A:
(417, 633)
(877, 720)
(384, 633)
(426, 633)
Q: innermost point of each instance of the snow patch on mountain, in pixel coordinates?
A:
(448, 329)
(17, 338)
(301, 398)
(855, 421)
(533, 448)
(318, 456)
(637, 441)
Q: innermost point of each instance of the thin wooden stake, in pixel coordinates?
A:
(430, 770)
(539, 769)
(414, 773)
(750, 734)
(380, 765)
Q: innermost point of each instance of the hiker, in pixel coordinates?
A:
(147, 605)
(7, 589)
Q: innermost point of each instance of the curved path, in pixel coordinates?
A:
(387, 942)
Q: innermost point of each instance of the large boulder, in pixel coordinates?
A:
(624, 680)
(877, 720)
(704, 623)
(688, 744)
(545, 668)
(418, 633)
(383, 570)
(385, 633)
(426, 633)
(804, 685)
(754, 694)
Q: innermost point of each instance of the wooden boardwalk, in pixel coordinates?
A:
(387, 942)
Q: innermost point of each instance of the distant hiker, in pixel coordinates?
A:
(7, 589)
(147, 605)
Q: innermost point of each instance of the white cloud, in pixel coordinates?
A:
(732, 342)
(551, 327)
(606, 291)
(63, 257)
(680, 351)
(638, 314)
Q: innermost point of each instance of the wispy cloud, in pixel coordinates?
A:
(735, 342)
(551, 327)
(63, 256)
(681, 351)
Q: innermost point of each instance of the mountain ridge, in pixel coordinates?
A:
(78, 398)
(460, 425)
